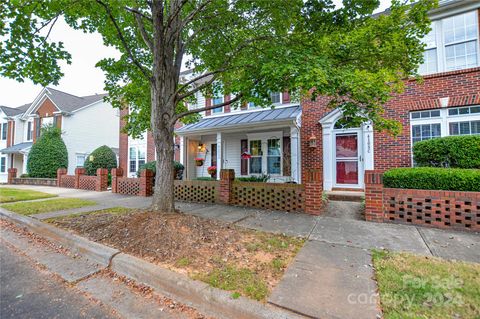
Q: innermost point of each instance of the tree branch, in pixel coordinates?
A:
(49, 31)
(192, 14)
(143, 32)
(124, 42)
(206, 108)
(138, 12)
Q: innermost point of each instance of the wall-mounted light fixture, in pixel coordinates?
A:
(201, 147)
(312, 141)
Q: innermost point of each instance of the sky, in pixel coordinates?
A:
(81, 77)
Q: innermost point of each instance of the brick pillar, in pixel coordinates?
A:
(60, 173)
(116, 173)
(227, 176)
(374, 196)
(146, 183)
(101, 184)
(313, 191)
(12, 173)
(79, 171)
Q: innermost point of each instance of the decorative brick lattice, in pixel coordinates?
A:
(197, 191)
(87, 182)
(68, 181)
(441, 209)
(284, 197)
(128, 186)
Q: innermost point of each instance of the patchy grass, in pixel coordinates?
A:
(426, 287)
(51, 205)
(8, 195)
(109, 211)
(245, 262)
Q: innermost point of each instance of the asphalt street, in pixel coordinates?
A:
(29, 292)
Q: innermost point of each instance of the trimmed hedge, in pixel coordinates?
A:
(453, 179)
(47, 154)
(450, 151)
(103, 157)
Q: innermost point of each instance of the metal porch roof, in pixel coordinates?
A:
(17, 148)
(238, 119)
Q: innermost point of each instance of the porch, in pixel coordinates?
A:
(252, 143)
(15, 157)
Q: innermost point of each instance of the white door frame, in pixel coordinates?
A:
(365, 149)
(359, 157)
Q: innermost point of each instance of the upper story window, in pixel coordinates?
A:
(216, 100)
(3, 133)
(276, 97)
(29, 130)
(47, 121)
(452, 44)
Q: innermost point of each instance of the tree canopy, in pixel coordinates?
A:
(245, 48)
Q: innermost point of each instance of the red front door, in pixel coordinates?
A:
(346, 157)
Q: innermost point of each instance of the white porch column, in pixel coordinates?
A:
(328, 155)
(182, 150)
(219, 154)
(295, 153)
(368, 146)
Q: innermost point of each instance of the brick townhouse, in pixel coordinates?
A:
(305, 142)
(87, 122)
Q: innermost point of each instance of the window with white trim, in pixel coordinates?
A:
(452, 44)
(274, 159)
(266, 152)
(428, 124)
(137, 156)
(80, 159)
(3, 164)
(276, 97)
(29, 130)
(216, 100)
(3, 133)
(256, 157)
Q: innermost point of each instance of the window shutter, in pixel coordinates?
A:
(287, 169)
(243, 161)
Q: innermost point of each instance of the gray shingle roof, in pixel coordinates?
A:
(16, 148)
(237, 119)
(10, 111)
(69, 103)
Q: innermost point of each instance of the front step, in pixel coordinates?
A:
(346, 196)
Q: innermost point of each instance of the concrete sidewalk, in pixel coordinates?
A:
(334, 268)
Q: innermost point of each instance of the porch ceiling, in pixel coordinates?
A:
(263, 117)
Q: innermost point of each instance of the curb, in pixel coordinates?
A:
(208, 300)
(101, 254)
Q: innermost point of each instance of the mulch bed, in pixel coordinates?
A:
(186, 243)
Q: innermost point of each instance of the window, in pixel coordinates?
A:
(4, 127)
(425, 132)
(215, 101)
(47, 121)
(273, 156)
(29, 130)
(213, 155)
(80, 159)
(452, 44)
(425, 114)
(464, 110)
(276, 97)
(256, 157)
(136, 158)
(3, 164)
(464, 128)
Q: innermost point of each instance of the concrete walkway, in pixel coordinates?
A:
(332, 276)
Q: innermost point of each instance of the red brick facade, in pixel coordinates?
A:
(46, 109)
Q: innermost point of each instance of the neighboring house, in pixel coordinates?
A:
(294, 138)
(87, 122)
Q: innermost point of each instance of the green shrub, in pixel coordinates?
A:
(254, 179)
(102, 157)
(434, 178)
(450, 151)
(177, 166)
(47, 154)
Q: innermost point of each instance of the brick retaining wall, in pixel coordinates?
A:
(432, 208)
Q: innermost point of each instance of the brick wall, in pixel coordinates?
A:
(432, 208)
(98, 183)
(461, 87)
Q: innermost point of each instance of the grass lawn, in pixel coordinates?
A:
(244, 262)
(50, 205)
(414, 286)
(8, 195)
